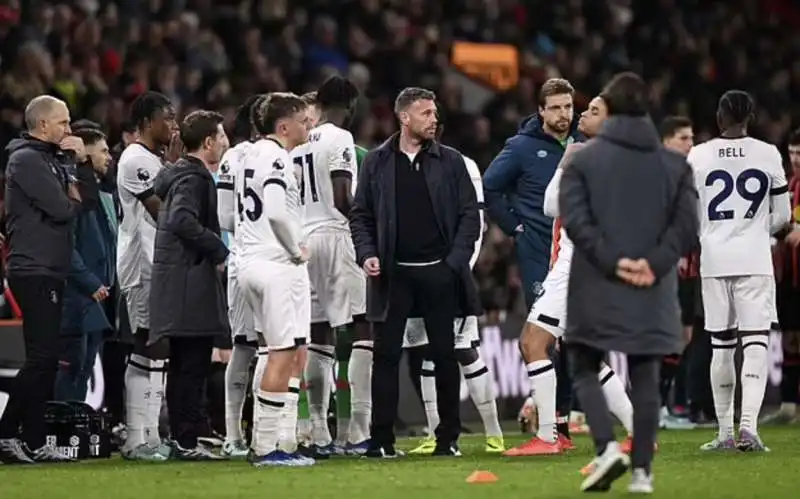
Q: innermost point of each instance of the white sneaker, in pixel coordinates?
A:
(610, 465)
(641, 482)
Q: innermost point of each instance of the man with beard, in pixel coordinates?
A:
(548, 317)
(414, 222)
(84, 321)
(514, 186)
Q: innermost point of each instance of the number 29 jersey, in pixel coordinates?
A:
(266, 166)
(736, 180)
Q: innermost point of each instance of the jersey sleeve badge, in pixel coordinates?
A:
(346, 155)
(143, 175)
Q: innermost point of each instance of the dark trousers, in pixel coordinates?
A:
(698, 354)
(77, 356)
(115, 361)
(644, 375)
(189, 370)
(39, 298)
(429, 292)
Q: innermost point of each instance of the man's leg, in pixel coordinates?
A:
(71, 357)
(237, 373)
(644, 375)
(94, 343)
(319, 381)
(387, 352)
(40, 300)
(359, 375)
(481, 390)
(435, 289)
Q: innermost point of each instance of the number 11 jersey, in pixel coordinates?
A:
(737, 181)
(330, 151)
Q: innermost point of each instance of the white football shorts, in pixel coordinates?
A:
(240, 315)
(549, 311)
(339, 286)
(466, 333)
(137, 299)
(280, 296)
(746, 303)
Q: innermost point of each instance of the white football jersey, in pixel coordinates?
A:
(136, 172)
(562, 247)
(330, 151)
(227, 210)
(475, 175)
(267, 171)
(739, 182)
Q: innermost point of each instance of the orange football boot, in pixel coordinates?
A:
(534, 447)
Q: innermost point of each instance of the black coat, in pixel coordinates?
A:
(186, 295)
(373, 219)
(623, 195)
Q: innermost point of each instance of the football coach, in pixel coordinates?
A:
(414, 222)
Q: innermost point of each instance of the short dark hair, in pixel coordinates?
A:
(794, 137)
(128, 126)
(275, 107)
(410, 95)
(671, 124)
(336, 92)
(310, 98)
(243, 122)
(555, 86)
(84, 124)
(144, 107)
(89, 136)
(736, 107)
(198, 126)
(626, 94)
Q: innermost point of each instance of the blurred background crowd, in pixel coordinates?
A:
(98, 55)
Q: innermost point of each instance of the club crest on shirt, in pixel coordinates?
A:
(143, 175)
(542, 153)
(278, 164)
(346, 155)
(225, 168)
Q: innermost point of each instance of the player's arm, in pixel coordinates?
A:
(138, 177)
(469, 228)
(226, 201)
(550, 205)
(274, 195)
(182, 218)
(477, 183)
(362, 214)
(343, 168)
(780, 203)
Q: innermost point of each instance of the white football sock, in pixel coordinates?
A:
(319, 384)
(359, 372)
(428, 388)
(479, 383)
(158, 382)
(271, 410)
(236, 374)
(723, 384)
(137, 394)
(617, 398)
(288, 427)
(258, 373)
(542, 376)
(754, 379)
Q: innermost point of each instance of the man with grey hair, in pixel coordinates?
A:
(414, 222)
(41, 200)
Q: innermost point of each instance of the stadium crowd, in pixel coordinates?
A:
(98, 57)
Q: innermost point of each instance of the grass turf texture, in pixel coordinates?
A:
(681, 471)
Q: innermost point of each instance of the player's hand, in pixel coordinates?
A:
(636, 272)
(175, 148)
(101, 294)
(372, 266)
(305, 254)
(74, 144)
(683, 265)
(793, 238)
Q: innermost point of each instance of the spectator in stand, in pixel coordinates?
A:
(41, 201)
(788, 294)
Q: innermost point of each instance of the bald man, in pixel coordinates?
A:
(41, 201)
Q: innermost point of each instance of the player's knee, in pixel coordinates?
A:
(534, 342)
(466, 356)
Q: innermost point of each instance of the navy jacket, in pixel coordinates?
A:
(93, 261)
(515, 182)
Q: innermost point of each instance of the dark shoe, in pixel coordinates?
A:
(447, 450)
(199, 453)
(15, 451)
(312, 451)
(382, 452)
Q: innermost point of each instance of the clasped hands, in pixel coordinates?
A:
(636, 272)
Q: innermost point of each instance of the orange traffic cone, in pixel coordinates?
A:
(481, 476)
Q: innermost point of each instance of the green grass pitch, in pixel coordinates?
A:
(681, 472)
